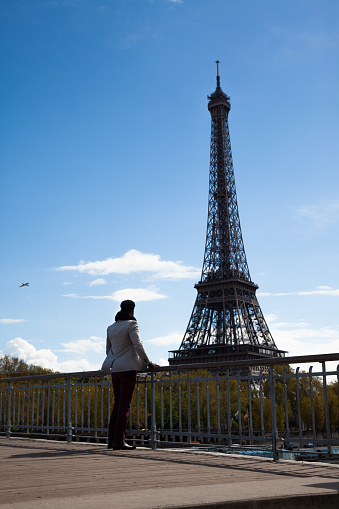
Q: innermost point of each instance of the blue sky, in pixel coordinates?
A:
(105, 138)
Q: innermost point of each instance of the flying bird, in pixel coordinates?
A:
(24, 284)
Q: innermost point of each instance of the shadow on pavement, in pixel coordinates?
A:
(51, 450)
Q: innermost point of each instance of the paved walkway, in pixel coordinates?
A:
(45, 474)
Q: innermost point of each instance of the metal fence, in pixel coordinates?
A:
(227, 403)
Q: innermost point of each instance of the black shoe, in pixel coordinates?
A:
(123, 447)
(110, 445)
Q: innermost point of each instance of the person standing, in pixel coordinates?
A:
(129, 357)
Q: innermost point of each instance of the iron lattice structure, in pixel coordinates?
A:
(227, 322)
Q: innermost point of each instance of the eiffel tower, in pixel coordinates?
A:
(227, 322)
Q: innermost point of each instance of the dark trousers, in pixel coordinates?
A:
(123, 387)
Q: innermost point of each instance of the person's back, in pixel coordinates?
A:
(128, 350)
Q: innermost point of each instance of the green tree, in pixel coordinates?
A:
(13, 367)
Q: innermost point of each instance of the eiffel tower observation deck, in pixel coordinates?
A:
(227, 322)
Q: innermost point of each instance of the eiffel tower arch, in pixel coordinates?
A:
(226, 322)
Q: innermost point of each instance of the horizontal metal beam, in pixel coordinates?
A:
(269, 361)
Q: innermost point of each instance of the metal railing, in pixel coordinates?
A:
(239, 402)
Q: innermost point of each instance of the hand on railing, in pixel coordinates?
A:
(153, 365)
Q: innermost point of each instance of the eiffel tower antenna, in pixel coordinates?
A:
(227, 322)
(218, 77)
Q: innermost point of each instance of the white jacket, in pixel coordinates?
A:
(129, 352)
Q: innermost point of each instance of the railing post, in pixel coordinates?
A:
(189, 407)
(249, 410)
(229, 421)
(28, 406)
(287, 435)
(239, 405)
(9, 404)
(273, 415)
(261, 395)
(179, 406)
(96, 407)
(48, 404)
(312, 404)
(153, 422)
(298, 405)
(208, 408)
(171, 403)
(69, 410)
(327, 416)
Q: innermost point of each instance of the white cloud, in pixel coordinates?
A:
(163, 362)
(270, 318)
(45, 358)
(319, 216)
(20, 348)
(301, 339)
(98, 282)
(136, 294)
(12, 320)
(66, 283)
(74, 366)
(80, 346)
(320, 290)
(173, 338)
(135, 261)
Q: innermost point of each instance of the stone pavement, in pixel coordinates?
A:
(43, 474)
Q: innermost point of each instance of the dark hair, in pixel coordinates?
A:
(127, 306)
